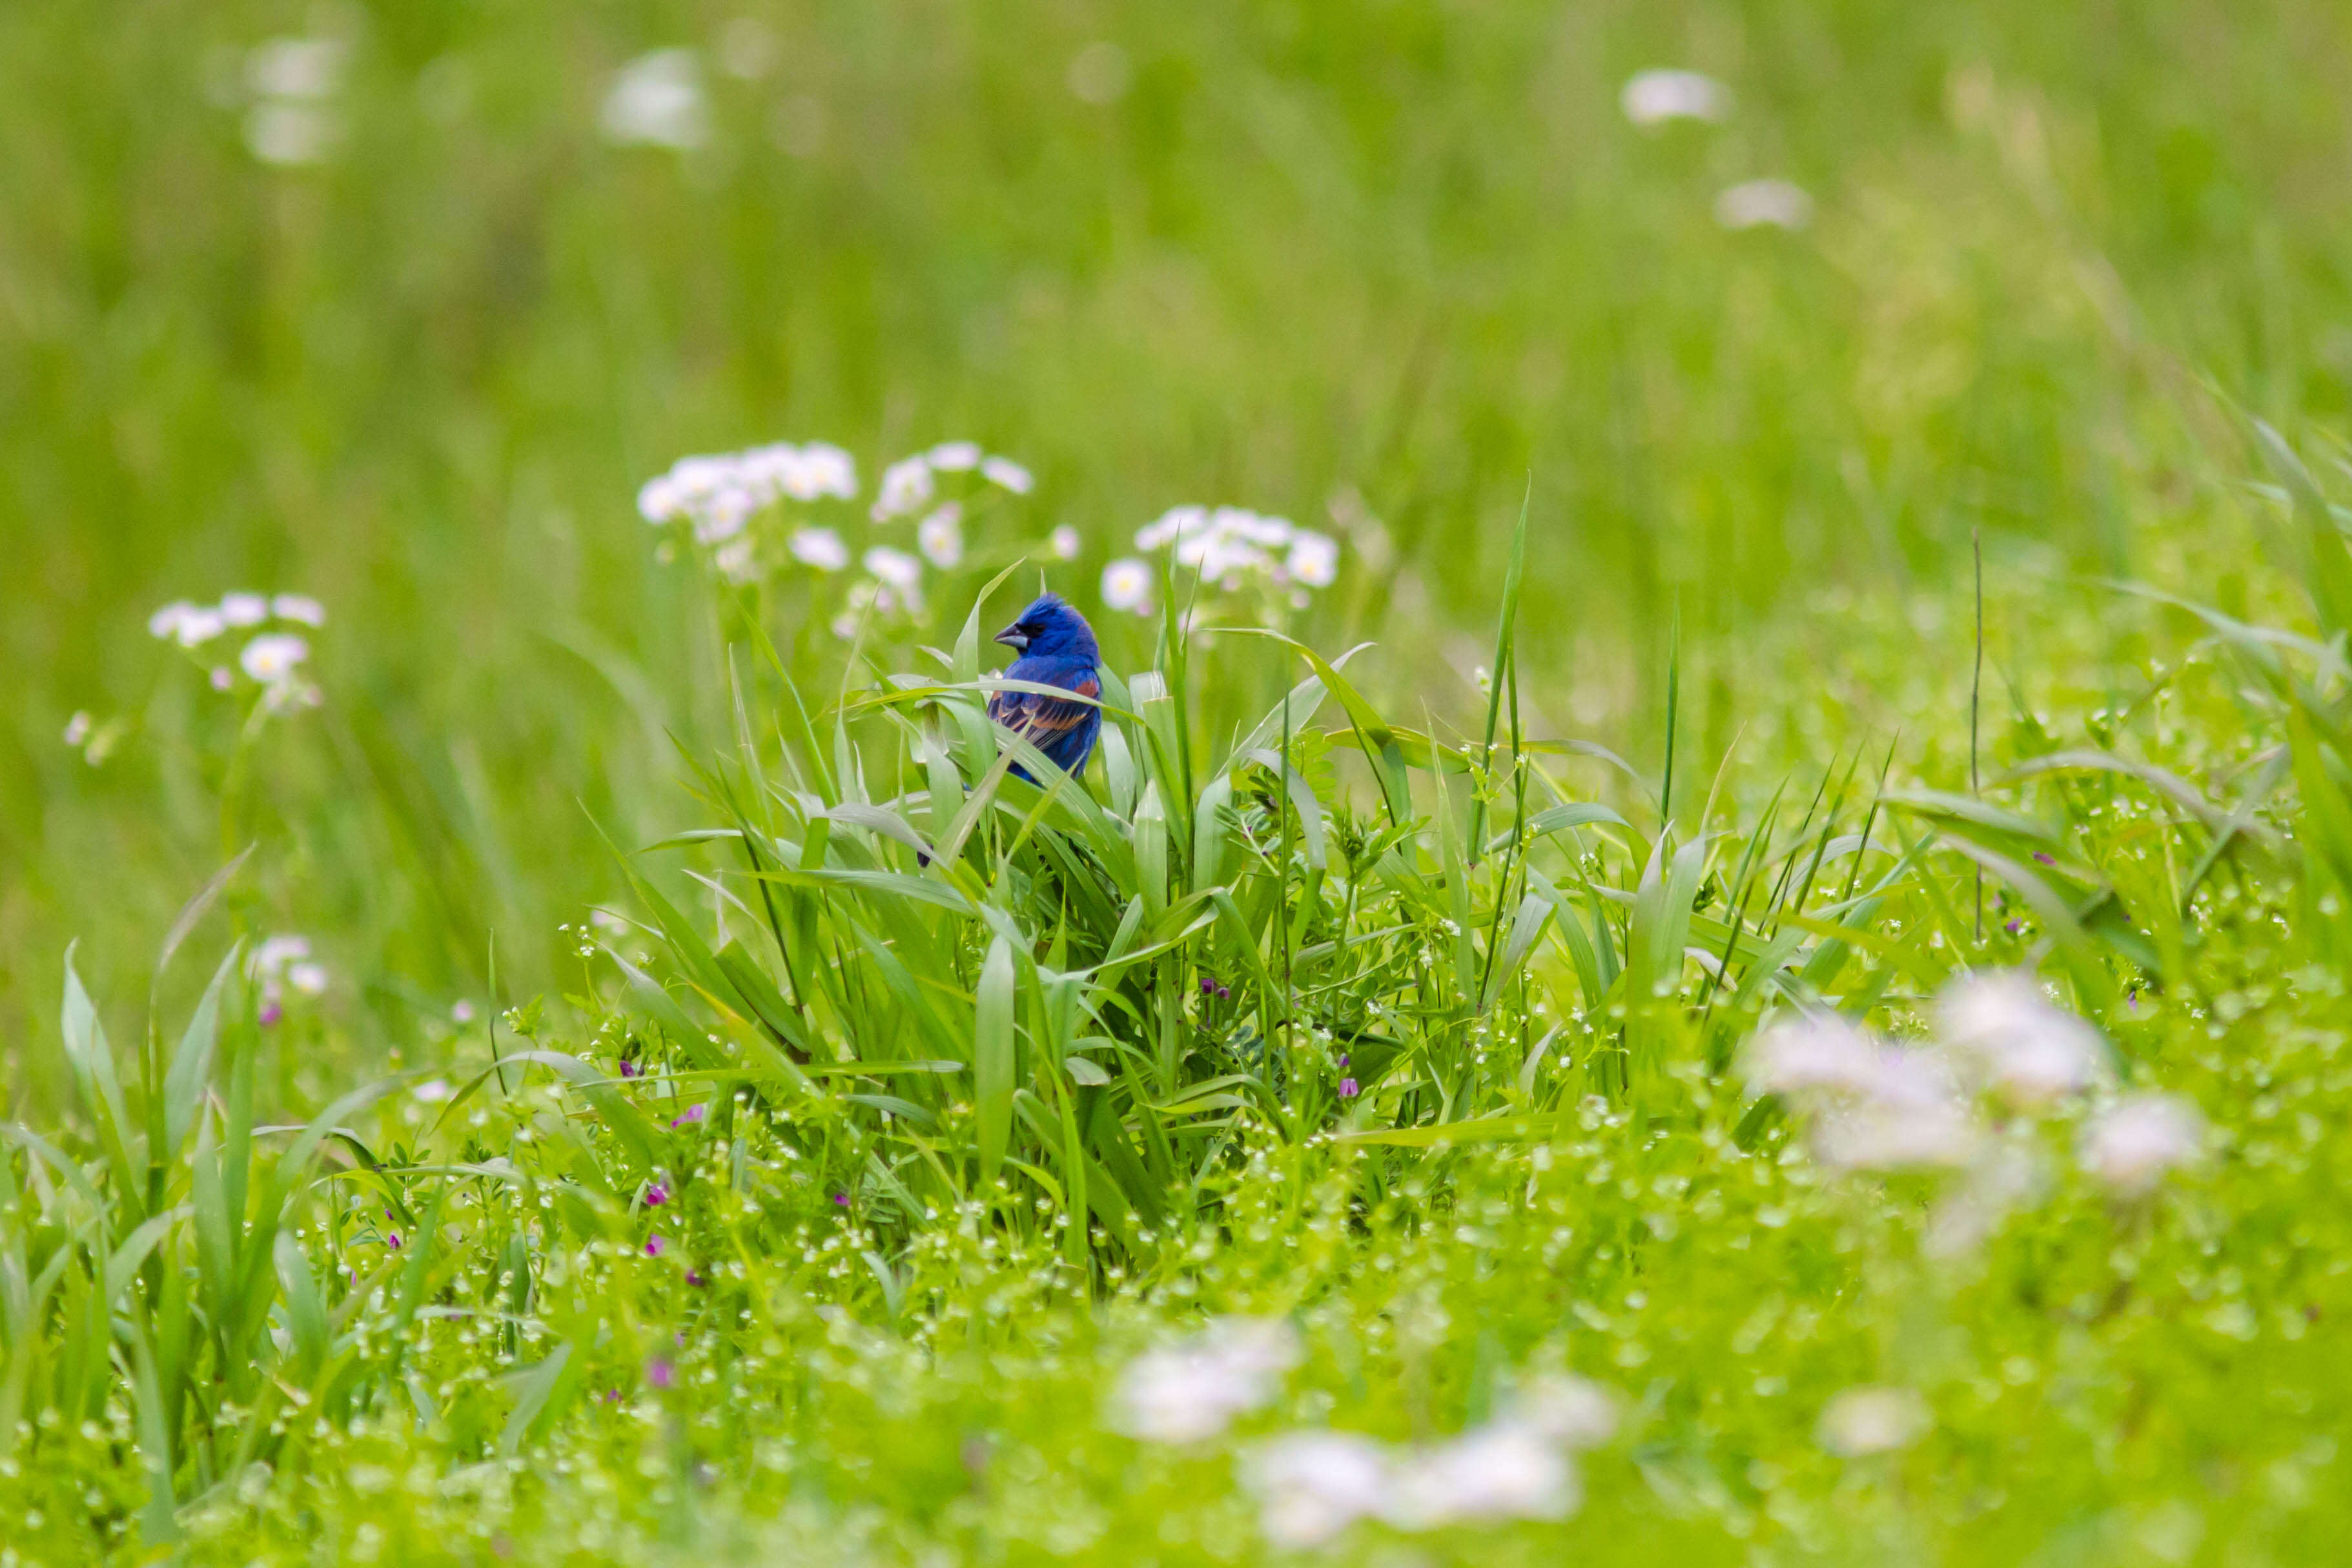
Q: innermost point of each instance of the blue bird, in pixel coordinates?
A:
(1057, 649)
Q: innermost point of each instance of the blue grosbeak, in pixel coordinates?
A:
(1057, 649)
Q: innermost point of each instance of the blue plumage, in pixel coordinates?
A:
(1057, 649)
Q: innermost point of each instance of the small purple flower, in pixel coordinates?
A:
(654, 1245)
(1208, 986)
(2045, 857)
(2014, 926)
(693, 1114)
(629, 1068)
(694, 1277)
(612, 1397)
(1348, 1089)
(270, 1013)
(1344, 1060)
(1223, 994)
(841, 1200)
(656, 1196)
(392, 1241)
(660, 1373)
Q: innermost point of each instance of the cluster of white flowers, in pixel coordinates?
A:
(656, 100)
(1653, 99)
(293, 83)
(1191, 1391)
(272, 659)
(719, 493)
(1231, 548)
(282, 962)
(1869, 1104)
(909, 485)
(1312, 1485)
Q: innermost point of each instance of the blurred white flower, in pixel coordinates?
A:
(899, 580)
(1763, 204)
(189, 625)
(1811, 1053)
(1189, 1391)
(78, 729)
(610, 923)
(735, 561)
(955, 456)
(905, 488)
(1489, 1474)
(1099, 74)
(1065, 543)
(1867, 1105)
(2016, 1041)
(307, 978)
(309, 68)
(244, 609)
(220, 677)
(2002, 1175)
(298, 607)
(274, 658)
(284, 133)
(1314, 558)
(1311, 1486)
(1871, 1420)
(656, 100)
(461, 1011)
(819, 547)
(719, 492)
(940, 537)
(270, 958)
(2130, 1146)
(434, 1091)
(1895, 1136)
(1127, 585)
(1654, 97)
(285, 960)
(1006, 475)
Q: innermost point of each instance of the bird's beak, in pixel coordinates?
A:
(1013, 638)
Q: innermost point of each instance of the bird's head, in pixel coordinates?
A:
(1049, 628)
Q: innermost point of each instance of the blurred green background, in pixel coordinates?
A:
(1362, 258)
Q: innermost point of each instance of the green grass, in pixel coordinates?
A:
(945, 1123)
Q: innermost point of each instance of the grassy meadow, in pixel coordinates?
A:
(1714, 931)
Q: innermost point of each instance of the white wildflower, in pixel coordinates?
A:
(898, 577)
(1006, 475)
(189, 625)
(298, 607)
(274, 657)
(1490, 1474)
(819, 470)
(1189, 1391)
(78, 729)
(1311, 1486)
(1764, 204)
(1883, 1136)
(244, 609)
(955, 456)
(1127, 585)
(434, 1091)
(2001, 1176)
(656, 100)
(735, 561)
(1811, 1053)
(940, 537)
(307, 978)
(220, 677)
(1651, 98)
(1870, 1420)
(1314, 558)
(2131, 1144)
(461, 1011)
(905, 488)
(819, 547)
(2019, 1044)
(1065, 543)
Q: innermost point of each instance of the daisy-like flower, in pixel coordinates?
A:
(1653, 98)
(1868, 1105)
(1127, 585)
(1314, 558)
(274, 658)
(905, 488)
(1764, 204)
(1065, 543)
(897, 579)
(656, 100)
(719, 493)
(1236, 549)
(1311, 1486)
(1191, 1391)
(300, 608)
(940, 537)
(281, 961)
(955, 456)
(189, 625)
(1488, 1475)
(2130, 1146)
(819, 547)
(1006, 475)
(244, 609)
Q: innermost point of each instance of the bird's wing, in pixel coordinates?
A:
(1041, 720)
